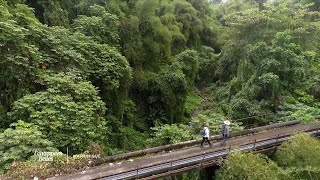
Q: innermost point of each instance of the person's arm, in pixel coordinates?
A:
(227, 130)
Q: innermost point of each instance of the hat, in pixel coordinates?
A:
(227, 122)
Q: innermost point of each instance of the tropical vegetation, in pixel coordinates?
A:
(124, 75)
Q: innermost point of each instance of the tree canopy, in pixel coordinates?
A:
(131, 74)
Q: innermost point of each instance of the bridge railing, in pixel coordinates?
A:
(170, 147)
(193, 159)
(207, 159)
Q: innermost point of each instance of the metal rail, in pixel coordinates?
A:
(154, 150)
(199, 159)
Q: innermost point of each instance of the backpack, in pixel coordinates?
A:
(222, 128)
(202, 132)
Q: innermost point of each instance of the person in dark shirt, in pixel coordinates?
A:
(225, 128)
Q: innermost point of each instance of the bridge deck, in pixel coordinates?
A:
(107, 170)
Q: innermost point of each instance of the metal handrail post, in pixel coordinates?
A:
(202, 160)
(137, 172)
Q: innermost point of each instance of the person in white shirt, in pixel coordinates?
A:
(206, 135)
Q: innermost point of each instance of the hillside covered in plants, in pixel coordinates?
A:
(114, 76)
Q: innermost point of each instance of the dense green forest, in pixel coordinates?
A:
(115, 76)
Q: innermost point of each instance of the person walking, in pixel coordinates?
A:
(205, 135)
(225, 128)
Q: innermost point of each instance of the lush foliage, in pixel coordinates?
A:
(69, 112)
(20, 142)
(130, 74)
(296, 159)
(300, 157)
(170, 134)
(267, 56)
(248, 166)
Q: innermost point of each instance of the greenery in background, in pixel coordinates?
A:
(300, 158)
(297, 158)
(170, 134)
(192, 104)
(131, 74)
(267, 56)
(175, 133)
(248, 166)
(21, 141)
(302, 112)
(214, 120)
(69, 112)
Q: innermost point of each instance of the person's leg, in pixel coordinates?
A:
(223, 140)
(203, 139)
(209, 141)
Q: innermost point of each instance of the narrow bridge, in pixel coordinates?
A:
(175, 161)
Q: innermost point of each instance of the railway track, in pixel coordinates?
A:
(157, 166)
(187, 144)
(194, 162)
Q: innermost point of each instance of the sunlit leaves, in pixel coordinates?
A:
(102, 26)
(299, 111)
(248, 166)
(69, 112)
(170, 134)
(300, 157)
(20, 142)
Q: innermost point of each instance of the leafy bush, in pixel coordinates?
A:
(193, 101)
(173, 85)
(300, 157)
(301, 151)
(100, 25)
(208, 62)
(19, 59)
(170, 134)
(69, 112)
(132, 140)
(20, 142)
(299, 111)
(162, 95)
(248, 166)
(190, 64)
